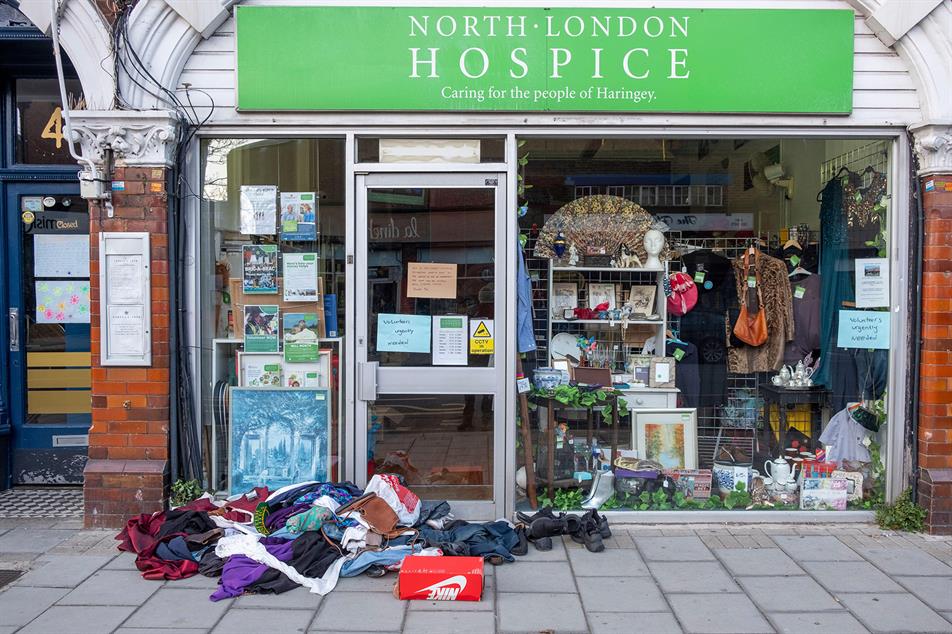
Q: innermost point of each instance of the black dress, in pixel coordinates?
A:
(706, 324)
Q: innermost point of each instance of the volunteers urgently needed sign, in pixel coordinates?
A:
(537, 59)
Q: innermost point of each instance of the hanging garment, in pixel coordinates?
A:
(778, 306)
(806, 292)
(705, 325)
(525, 337)
(844, 438)
(686, 376)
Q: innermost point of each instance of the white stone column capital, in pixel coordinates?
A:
(933, 146)
(141, 138)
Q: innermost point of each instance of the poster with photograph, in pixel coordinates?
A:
(300, 277)
(298, 216)
(258, 209)
(259, 369)
(261, 328)
(259, 272)
(872, 282)
(278, 437)
(311, 374)
(301, 337)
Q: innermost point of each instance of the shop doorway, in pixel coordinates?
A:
(431, 318)
(48, 332)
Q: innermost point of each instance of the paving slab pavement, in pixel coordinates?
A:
(704, 579)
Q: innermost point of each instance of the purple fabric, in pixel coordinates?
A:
(278, 519)
(240, 572)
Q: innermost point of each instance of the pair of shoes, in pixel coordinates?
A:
(602, 489)
(588, 534)
(601, 521)
(543, 525)
(375, 570)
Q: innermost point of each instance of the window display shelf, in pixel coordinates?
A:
(609, 322)
(605, 268)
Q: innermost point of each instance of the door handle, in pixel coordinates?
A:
(14, 323)
(367, 381)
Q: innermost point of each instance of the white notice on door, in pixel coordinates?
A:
(449, 339)
(124, 276)
(126, 330)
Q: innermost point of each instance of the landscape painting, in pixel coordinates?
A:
(278, 437)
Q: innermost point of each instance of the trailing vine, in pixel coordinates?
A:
(579, 398)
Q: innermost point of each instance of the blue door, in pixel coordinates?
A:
(48, 331)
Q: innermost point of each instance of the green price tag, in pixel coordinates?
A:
(795, 260)
(751, 281)
(799, 292)
(678, 354)
(699, 277)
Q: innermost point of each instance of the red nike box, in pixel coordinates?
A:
(441, 578)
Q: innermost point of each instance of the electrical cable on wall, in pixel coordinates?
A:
(186, 450)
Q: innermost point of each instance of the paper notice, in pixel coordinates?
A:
(872, 282)
(435, 281)
(403, 333)
(58, 255)
(259, 209)
(126, 329)
(300, 277)
(124, 277)
(449, 340)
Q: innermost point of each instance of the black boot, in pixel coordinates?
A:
(522, 547)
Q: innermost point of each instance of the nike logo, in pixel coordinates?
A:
(441, 591)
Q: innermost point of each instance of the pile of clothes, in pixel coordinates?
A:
(312, 533)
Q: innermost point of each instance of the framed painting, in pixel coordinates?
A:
(661, 372)
(641, 300)
(278, 436)
(667, 436)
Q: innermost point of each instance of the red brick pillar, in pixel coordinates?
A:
(935, 391)
(127, 472)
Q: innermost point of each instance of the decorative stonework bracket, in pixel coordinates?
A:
(933, 145)
(137, 138)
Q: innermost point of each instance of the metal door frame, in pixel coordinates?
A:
(24, 436)
(436, 380)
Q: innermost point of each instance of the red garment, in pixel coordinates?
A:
(140, 536)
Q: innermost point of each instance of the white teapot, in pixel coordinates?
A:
(780, 470)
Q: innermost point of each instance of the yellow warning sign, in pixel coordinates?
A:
(481, 340)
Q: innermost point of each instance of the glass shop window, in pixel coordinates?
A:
(724, 411)
(272, 232)
(39, 126)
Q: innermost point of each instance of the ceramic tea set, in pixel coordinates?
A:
(780, 475)
(798, 377)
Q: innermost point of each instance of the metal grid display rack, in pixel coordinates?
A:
(608, 333)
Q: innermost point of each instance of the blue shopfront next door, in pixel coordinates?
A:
(47, 375)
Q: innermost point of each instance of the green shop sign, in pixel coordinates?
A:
(534, 59)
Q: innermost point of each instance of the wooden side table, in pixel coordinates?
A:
(816, 395)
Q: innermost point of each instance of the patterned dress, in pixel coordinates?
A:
(778, 302)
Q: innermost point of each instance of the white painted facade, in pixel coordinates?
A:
(902, 81)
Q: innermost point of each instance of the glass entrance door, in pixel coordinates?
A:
(431, 317)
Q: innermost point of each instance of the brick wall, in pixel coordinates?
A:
(935, 392)
(127, 472)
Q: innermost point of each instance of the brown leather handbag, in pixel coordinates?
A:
(751, 328)
(375, 511)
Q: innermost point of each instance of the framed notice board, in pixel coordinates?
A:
(125, 299)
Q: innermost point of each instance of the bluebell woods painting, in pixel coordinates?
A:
(278, 436)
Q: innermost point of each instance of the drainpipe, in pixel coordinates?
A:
(916, 314)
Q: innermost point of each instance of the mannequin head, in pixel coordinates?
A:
(654, 242)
